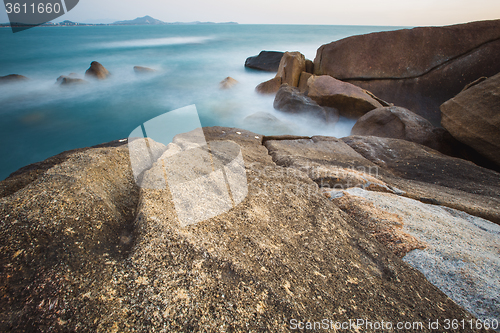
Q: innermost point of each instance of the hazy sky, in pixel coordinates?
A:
(351, 12)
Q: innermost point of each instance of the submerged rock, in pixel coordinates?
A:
(143, 70)
(12, 78)
(290, 100)
(228, 83)
(97, 71)
(268, 61)
(419, 68)
(473, 117)
(269, 87)
(84, 249)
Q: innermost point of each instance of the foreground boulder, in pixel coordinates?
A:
(97, 71)
(12, 78)
(268, 61)
(473, 117)
(85, 249)
(351, 101)
(419, 68)
(400, 123)
(290, 100)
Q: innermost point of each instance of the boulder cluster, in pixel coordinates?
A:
(444, 96)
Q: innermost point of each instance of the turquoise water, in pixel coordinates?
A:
(40, 119)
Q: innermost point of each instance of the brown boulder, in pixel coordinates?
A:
(143, 70)
(268, 61)
(350, 100)
(97, 71)
(290, 100)
(270, 86)
(398, 123)
(12, 78)
(418, 68)
(228, 83)
(473, 117)
(304, 76)
(291, 65)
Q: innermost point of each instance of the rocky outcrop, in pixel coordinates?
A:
(291, 66)
(228, 83)
(268, 61)
(350, 100)
(290, 100)
(270, 86)
(400, 123)
(97, 71)
(143, 70)
(12, 78)
(419, 68)
(473, 117)
(84, 249)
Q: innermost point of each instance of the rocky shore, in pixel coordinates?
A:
(397, 224)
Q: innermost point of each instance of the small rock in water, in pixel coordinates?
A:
(228, 83)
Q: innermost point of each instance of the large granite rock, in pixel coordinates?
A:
(418, 68)
(473, 117)
(290, 100)
(83, 249)
(350, 100)
(97, 71)
(292, 64)
(268, 61)
(400, 123)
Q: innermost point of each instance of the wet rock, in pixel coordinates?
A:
(290, 100)
(269, 87)
(143, 70)
(228, 83)
(419, 68)
(97, 71)
(473, 117)
(11, 78)
(268, 61)
(351, 101)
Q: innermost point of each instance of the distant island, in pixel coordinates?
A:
(146, 20)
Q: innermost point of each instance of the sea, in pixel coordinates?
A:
(40, 118)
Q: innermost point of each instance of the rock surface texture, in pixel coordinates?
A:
(97, 71)
(290, 100)
(268, 61)
(84, 249)
(419, 68)
(473, 117)
(400, 123)
(350, 100)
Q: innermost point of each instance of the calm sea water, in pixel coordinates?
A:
(40, 119)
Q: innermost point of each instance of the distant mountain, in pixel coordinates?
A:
(146, 20)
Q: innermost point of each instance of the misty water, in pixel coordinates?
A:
(40, 118)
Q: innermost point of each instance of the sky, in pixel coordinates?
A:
(350, 12)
